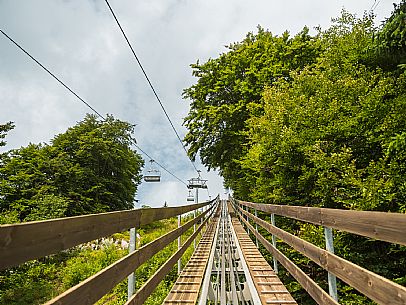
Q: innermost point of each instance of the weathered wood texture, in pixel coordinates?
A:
(312, 288)
(187, 286)
(145, 291)
(25, 241)
(96, 286)
(268, 285)
(374, 286)
(385, 226)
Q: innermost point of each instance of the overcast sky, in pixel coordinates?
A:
(79, 41)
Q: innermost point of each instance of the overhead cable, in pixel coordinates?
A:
(53, 75)
(83, 101)
(374, 5)
(149, 82)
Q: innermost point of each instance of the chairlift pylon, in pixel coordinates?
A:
(152, 175)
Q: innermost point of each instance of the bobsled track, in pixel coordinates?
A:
(226, 266)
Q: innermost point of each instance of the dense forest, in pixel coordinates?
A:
(312, 120)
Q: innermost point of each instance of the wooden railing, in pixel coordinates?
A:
(22, 242)
(389, 227)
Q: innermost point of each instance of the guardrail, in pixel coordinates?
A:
(389, 227)
(22, 242)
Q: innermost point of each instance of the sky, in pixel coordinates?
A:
(79, 41)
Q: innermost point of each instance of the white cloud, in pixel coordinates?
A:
(80, 42)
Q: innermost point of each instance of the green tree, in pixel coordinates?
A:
(96, 168)
(88, 169)
(4, 128)
(328, 133)
(390, 43)
(229, 91)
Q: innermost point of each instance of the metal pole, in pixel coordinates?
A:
(132, 247)
(179, 245)
(194, 226)
(256, 228)
(332, 281)
(275, 262)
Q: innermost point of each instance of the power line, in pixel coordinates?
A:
(374, 5)
(157, 163)
(53, 75)
(149, 82)
(83, 101)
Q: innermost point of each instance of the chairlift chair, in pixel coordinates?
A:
(152, 175)
(190, 197)
(197, 183)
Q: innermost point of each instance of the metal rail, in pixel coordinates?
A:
(186, 289)
(372, 285)
(268, 286)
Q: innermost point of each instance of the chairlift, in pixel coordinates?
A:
(190, 197)
(197, 183)
(152, 175)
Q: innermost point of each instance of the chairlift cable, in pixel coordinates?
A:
(83, 101)
(53, 75)
(150, 83)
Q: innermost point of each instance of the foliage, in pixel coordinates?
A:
(229, 90)
(4, 128)
(328, 132)
(88, 169)
(37, 281)
(391, 40)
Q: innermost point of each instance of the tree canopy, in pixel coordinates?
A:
(88, 169)
(229, 90)
(311, 120)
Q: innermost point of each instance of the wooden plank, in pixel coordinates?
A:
(145, 291)
(25, 241)
(183, 291)
(96, 286)
(390, 227)
(314, 290)
(265, 278)
(374, 286)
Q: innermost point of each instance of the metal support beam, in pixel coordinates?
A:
(131, 248)
(131, 277)
(195, 213)
(275, 262)
(256, 229)
(179, 245)
(332, 281)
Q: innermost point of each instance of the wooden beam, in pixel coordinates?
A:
(314, 290)
(145, 291)
(374, 286)
(386, 226)
(96, 286)
(25, 241)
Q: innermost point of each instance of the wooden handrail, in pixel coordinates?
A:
(145, 290)
(102, 282)
(25, 241)
(314, 290)
(371, 284)
(390, 227)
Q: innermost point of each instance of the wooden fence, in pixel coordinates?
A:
(389, 227)
(22, 242)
